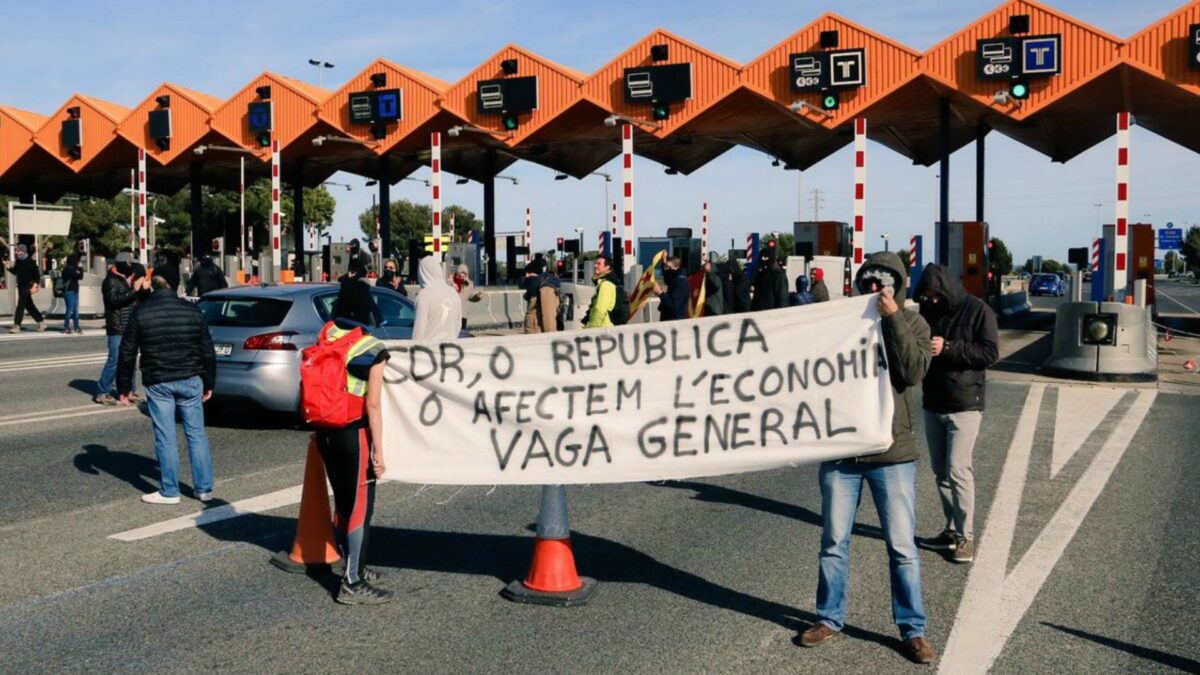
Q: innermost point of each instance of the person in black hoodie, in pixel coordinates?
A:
(207, 277)
(179, 369)
(72, 273)
(965, 342)
(168, 269)
(673, 298)
(120, 291)
(28, 276)
(891, 475)
(770, 283)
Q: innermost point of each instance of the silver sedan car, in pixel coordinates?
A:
(259, 331)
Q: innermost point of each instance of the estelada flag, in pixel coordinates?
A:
(645, 286)
(696, 294)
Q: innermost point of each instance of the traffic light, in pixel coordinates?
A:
(660, 112)
(1019, 90)
(559, 245)
(263, 139)
(831, 101)
(510, 122)
(561, 265)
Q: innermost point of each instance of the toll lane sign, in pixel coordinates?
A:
(818, 71)
(1194, 45)
(1013, 58)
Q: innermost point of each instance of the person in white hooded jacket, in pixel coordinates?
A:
(438, 307)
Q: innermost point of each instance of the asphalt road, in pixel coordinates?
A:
(1089, 526)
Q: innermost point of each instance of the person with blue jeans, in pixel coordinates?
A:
(71, 276)
(179, 368)
(890, 475)
(119, 291)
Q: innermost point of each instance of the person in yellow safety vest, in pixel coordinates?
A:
(599, 316)
(352, 455)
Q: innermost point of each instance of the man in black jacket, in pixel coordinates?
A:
(119, 291)
(965, 342)
(770, 283)
(179, 369)
(673, 299)
(891, 476)
(28, 276)
(207, 277)
(167, 267)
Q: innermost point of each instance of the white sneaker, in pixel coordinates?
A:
(158, 498)
(204, 496)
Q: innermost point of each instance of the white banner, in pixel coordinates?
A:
(641, 402)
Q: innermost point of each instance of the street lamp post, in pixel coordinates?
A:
(321, 66)
(604, 208)
(884, 237)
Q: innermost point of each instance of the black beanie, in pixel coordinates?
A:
(354, 301)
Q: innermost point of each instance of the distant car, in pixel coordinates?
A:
(259, 331)
(1087, 277)
(1047, 284)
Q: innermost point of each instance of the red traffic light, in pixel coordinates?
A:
(560, 243)
(216, 244)
(561, 264)
(771, 244)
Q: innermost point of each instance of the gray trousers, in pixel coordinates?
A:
(951, 440)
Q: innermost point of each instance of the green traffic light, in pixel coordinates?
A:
(510, 122)
(1019, 90)
(661, 112)
(830, 102)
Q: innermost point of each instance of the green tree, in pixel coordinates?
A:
(1191, 247)
(905, 258)
(1051, 266)
(1002, 258)
(1172, 262)
(410, 219)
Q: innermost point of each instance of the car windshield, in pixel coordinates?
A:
(391, 309)
(244, 312)
(1046, 278)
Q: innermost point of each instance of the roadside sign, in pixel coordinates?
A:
(670, 83)
(512, 95)
(1170, 239)
(376, 106)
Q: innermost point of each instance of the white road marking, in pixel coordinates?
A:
(31, 335)
(267, 502)
(1080, 410)
(47, 413)
(1158, 291)
(52, 415)
(67, 357)
(993, 604)
(54, 363)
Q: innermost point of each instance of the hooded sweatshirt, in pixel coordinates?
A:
(957, 377)
(906, 342)
(438, 308)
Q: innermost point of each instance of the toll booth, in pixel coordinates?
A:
(968, 254)
(1141, 257)
(824, 237)
(678, 242)
(339, 260)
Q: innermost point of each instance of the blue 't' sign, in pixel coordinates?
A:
(1041, 55)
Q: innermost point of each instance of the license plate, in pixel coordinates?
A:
(223, 349)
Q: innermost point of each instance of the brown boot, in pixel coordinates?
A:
(817, 634)
(964, 551)
(918, 650)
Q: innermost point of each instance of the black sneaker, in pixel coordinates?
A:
(373, 576)
(945, 541)
(363, 593)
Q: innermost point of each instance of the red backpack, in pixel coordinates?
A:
(325, 398)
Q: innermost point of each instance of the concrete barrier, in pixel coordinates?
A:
(1013, 304)
(1130, 355)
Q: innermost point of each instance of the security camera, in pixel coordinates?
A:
(610, 121)
(200, 149)
(453, 132)
(318, 141)
(1000, 97)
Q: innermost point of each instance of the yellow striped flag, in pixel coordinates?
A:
(696, 293)
(645, 286)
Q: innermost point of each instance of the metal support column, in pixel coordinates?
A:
(489, 225)
(298, 223)
(196, 182)
(385, 207)
(943, 233)
(980, 135)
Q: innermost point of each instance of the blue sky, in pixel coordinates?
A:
(119, 51)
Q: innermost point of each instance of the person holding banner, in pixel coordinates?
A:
(891, 476)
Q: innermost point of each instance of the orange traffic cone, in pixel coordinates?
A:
(552, 579)
(314, 544)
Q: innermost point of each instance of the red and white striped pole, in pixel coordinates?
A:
(1121, 243)
(276, 213)
(614, 222)
(133, 191)
(627, 176)
(452, 226)
(143, 258)
(860, 189)
(435, 184)
(704, 234)
(750, 250)
(1096, 255)
(529, 231)
(912, 253)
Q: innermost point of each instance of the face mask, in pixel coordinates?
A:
(875, 279)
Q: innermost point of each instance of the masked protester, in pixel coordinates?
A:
(820, 292)
(965, 342)
(891, 476)
(72, 274)
(673, 295)
(28, 276)
(802, 296)
(770, 283)
(438, 308)
(391, 278)
(714, 292)
(462, 285)
(734, 287)
(360, 256)
(207, 277)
